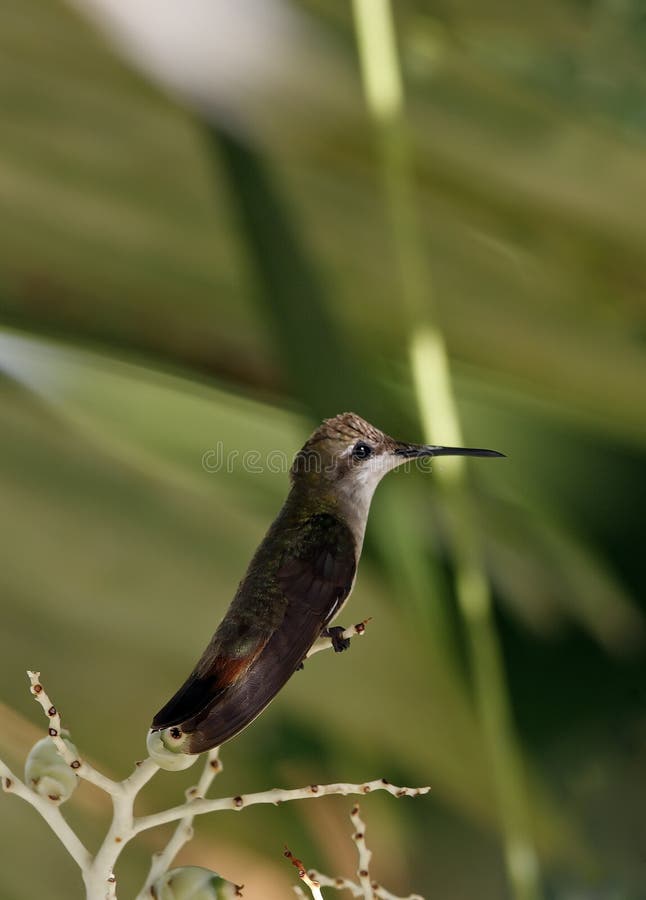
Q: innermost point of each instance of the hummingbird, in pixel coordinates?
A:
(297, 582)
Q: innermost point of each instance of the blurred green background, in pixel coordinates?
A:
(196, 252)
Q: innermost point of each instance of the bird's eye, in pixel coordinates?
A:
(361, 451)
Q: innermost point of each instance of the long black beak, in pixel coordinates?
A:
(414, 451)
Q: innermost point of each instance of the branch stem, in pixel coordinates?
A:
(11, 784)
(162, 860)
(274, 796)
(98, 871)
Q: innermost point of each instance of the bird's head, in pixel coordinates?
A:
(348, 457)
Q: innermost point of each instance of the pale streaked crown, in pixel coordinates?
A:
(348, 427)
(328, 450)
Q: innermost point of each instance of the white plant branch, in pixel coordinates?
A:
(306, 878)
(382, 894)
(341, 884)
(98, 870)
(365, 855)
(83, 769)
(51, 813)
(345, 884)
(274, 796)
(366, 887)
(183, 833)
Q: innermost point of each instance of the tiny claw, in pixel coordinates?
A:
(336, 636)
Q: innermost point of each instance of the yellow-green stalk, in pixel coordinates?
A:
(431, 374)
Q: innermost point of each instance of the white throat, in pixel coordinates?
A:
(357, 488)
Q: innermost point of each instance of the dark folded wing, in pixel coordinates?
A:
(200, 691)
(315, 576)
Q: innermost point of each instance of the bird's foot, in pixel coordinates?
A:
(336, 636)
